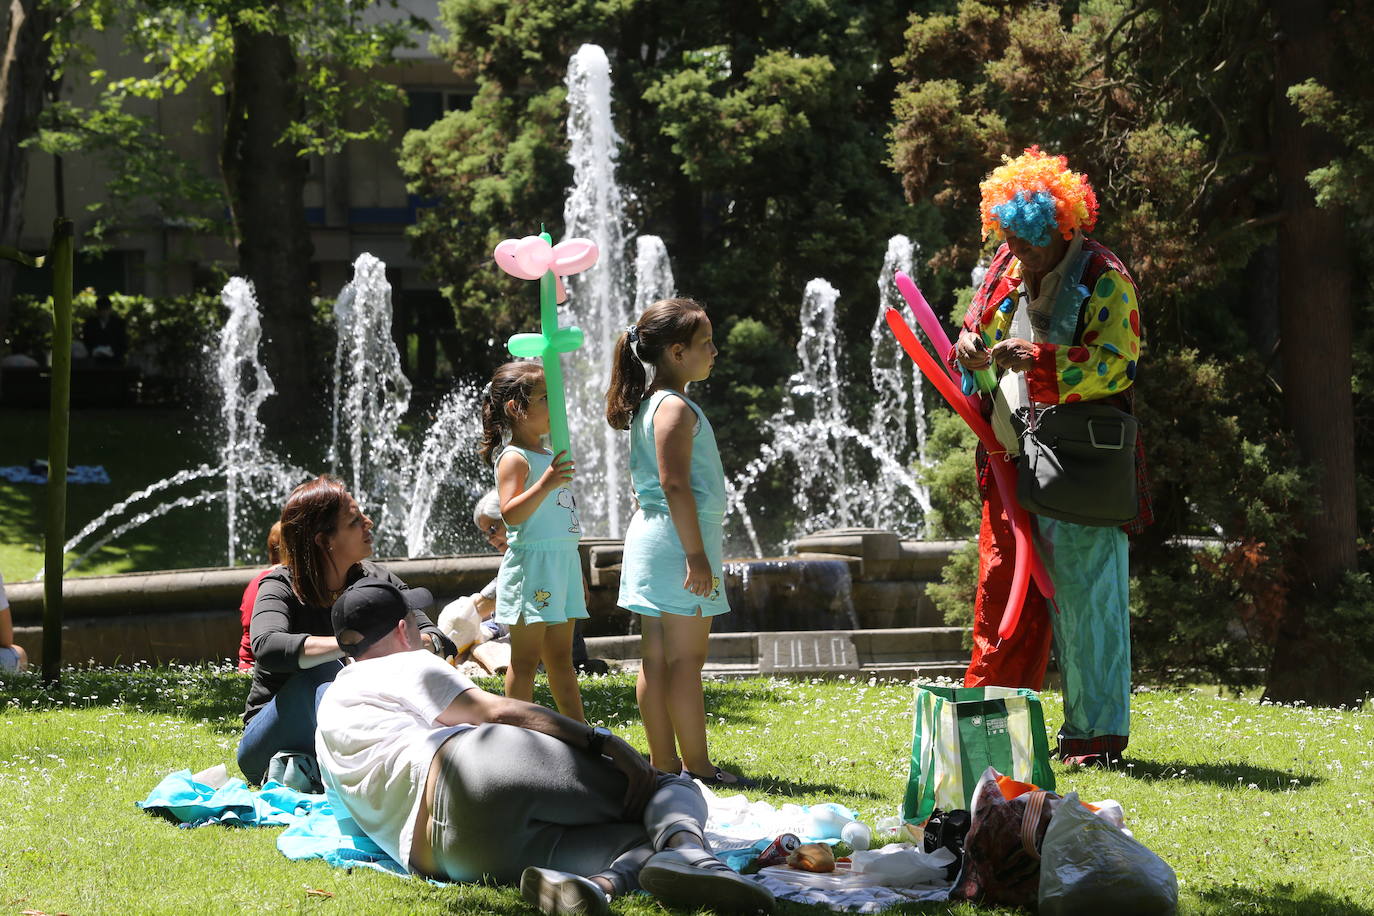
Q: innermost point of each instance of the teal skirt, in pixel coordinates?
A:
(655, 564)
(540, 586)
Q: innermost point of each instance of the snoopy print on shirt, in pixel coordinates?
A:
(566, 500)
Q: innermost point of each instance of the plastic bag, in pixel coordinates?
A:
(1089, 866)
(903, 865)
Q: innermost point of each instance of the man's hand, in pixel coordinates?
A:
(1015, 354)
(971, 352)
(642, 778)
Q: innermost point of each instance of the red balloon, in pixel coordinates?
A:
(1027, 563)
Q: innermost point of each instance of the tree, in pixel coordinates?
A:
(752, 141)
(1317, 332)
(291, 73)
(264, 175)
(26, 81)
(1179, 112)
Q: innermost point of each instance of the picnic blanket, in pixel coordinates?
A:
(82, 473)
(738, 829)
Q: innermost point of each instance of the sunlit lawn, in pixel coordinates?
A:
(1260, 809)
(136, 447)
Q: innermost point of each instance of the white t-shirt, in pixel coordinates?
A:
(377, 736)
(4, 602)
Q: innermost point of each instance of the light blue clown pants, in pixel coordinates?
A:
(1092, 631)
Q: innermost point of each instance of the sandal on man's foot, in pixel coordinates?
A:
(722, 778)
(690, 876)
(560, 893)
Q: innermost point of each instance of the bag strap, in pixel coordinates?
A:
(1030, 821)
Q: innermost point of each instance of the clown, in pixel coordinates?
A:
(1057, 319)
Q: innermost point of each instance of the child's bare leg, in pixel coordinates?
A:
(526, 645)
(557, 655)
(686, 641)
(650, 690)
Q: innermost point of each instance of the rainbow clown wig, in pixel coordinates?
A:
(1036, 194)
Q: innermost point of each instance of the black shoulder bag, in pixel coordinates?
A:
(1077, 463)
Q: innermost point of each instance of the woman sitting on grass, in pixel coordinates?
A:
(327, 540)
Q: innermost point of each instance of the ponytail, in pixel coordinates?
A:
(640, 347)
(511, 382)
(628, 381)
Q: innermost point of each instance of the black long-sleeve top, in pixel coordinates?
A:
(281, 622)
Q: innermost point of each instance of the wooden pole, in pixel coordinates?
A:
(59, 417)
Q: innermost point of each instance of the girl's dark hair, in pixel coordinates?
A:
(511, 382)
(666, 322)
(311, 509)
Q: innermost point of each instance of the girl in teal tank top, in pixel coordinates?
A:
(672, 574)
(539, 589)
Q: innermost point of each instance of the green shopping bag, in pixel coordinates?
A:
(958, 732)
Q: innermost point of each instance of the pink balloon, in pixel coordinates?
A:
(533, 256)
(925, 316)
(504, 256)
(572, 256)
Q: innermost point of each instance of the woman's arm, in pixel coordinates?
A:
(316, 650)
(674, 426)
(276, 647)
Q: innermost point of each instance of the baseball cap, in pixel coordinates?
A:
(372, 607)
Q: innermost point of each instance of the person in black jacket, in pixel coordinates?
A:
(104, 333)
(327, 540)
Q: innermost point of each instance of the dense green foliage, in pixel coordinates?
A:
(1258, 808)
(167, 335)
(1167, 107)
(186, 47)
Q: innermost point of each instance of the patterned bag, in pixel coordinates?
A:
(959, 732)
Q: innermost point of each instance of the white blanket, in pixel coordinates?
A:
(876, 880)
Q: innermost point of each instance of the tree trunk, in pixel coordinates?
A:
(25, 77)
(1316, 326)
(265, 180)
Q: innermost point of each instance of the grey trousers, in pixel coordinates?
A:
(507, 798)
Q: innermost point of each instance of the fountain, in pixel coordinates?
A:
(255, 480)
(897, 424)
(846, 475)
(599, 298)
(397, 486)
(653, 273)
(411, 483)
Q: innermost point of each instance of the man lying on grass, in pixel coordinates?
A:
(459, 784)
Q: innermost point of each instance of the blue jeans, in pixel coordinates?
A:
(287, 722)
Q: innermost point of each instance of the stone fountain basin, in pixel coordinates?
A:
(858, 581)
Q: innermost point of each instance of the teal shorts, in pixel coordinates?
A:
(540, 586)
(655, 564)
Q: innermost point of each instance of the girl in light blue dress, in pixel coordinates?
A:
(539, 589)
(672, 574)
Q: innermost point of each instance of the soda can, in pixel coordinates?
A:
(776, 852)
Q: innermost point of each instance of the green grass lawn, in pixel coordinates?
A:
(137, 447)
(1259, 809)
